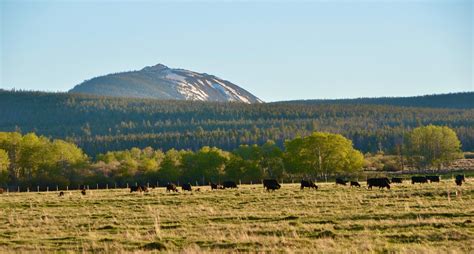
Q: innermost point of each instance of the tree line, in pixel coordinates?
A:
(102, 124)
(31, 160)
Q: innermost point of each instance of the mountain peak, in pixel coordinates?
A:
(162, 82)
(158, 67)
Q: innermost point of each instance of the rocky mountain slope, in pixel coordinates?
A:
(161, 82)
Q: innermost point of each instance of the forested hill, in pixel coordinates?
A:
(452, 100)
(99, 124)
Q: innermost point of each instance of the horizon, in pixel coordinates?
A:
(360, 49)
(311, 99)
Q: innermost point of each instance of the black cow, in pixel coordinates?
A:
(135, 189)
(171, 187)
(138, 188)
(1, 190)
(215, 186)
(397, 180)
(61, 193)
(459, 180)
(186, 187)
(378, 182)
(433, 179)
(229, 184)
(341, 181)
(83, 192)
(418, 179)
(355, 184)
(271, 184)
(308, 184)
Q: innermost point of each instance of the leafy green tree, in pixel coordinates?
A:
(323, 154)
(433, 146)
(10, 142)
(170, 170)
(271, 160)
(238, 169)
(205, 165)
(4, 164)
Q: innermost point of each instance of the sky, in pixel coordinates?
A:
(277, 50)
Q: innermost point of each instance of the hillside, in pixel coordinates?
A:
(161, 82)
(99, 124)
(451, 100)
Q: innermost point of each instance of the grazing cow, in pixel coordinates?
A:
(136, 189)
(397, 180)
(171, 187)
(355, 184)
(1, 190)
(433, 179)
(341, 181)
(229, 184)
(215, 186)
(61, 193)
(198, 190)
(186, 187)
(83, 192)
(418, 179)
(308, 184)
(378, 182)
(271, 184)
(459, 180)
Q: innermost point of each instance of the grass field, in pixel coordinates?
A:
(408, 218)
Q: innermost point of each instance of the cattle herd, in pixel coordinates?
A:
(272, 184)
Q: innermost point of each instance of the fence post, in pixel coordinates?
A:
(127, 185)
(37, 188)
(197, 183)
(47, 188)
(136, 183)
(115, 185)
(240, 182)
(97, 186)
(251, 183)
(18, 188)
(157, 184)
(107, 186)
(87, 187)
(67, 187)
(28, 189)
(57, 188)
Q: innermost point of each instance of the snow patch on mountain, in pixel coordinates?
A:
(162, 82)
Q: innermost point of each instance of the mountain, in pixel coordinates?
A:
(161, 82)
(450, 100)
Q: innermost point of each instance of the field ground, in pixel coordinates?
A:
(408, 218)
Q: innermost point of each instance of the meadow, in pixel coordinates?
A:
(428, 218)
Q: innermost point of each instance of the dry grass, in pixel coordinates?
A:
(408, 218)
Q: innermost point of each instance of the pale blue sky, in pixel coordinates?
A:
(278, 50)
